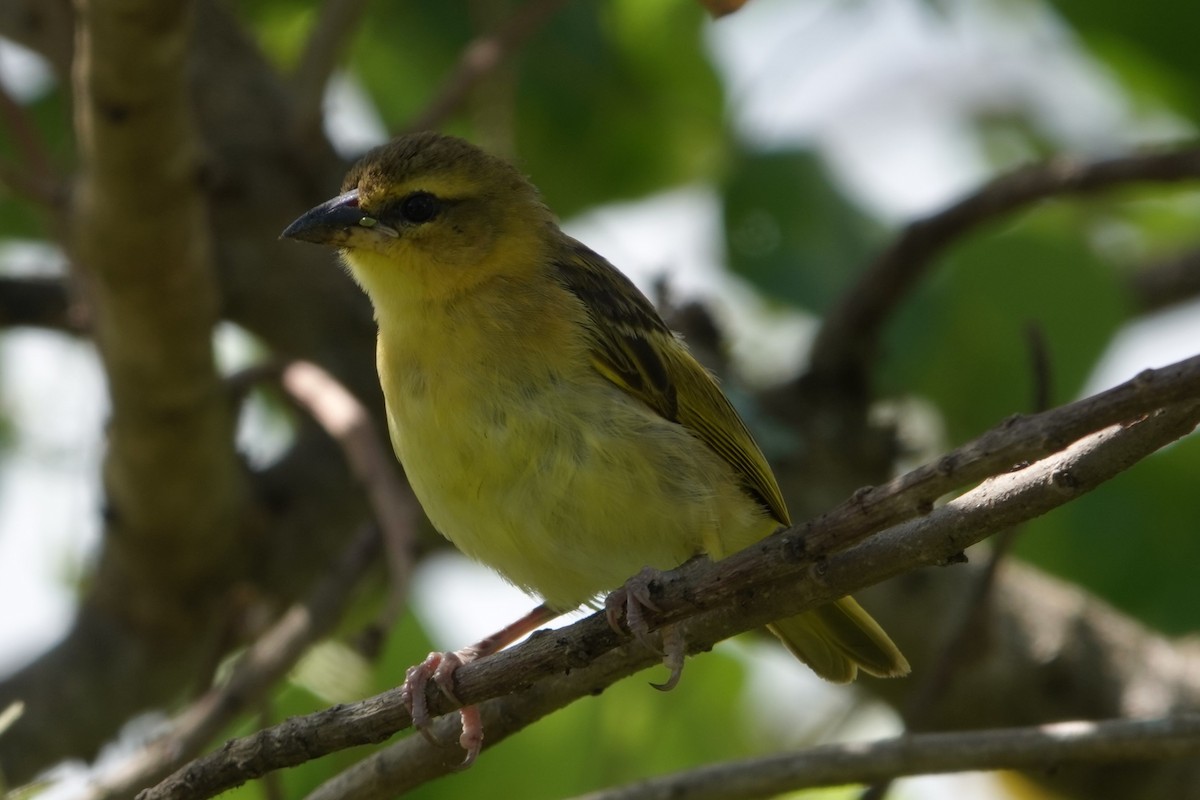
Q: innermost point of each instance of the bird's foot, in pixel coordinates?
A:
(440, 668)
(632, 599)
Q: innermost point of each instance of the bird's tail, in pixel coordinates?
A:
(838, 639)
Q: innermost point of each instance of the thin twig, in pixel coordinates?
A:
(850, 333)
(1042, 377)
(1040, 747)
(395, 507)
(480, 58)
(347, 421)
(35, 179)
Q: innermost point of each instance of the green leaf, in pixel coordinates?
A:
(790, 231)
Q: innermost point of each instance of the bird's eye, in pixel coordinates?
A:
(420, 207)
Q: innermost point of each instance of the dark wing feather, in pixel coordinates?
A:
(634, 348)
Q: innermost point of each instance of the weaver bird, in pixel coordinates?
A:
(550, 423)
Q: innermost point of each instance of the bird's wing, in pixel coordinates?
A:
(634, 348)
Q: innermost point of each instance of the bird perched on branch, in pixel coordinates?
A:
(550, 423)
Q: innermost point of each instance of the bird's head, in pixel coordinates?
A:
(428, 215)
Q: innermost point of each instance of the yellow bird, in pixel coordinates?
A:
(550, 423)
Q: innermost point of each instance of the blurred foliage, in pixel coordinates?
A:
(596, 80)
(790, 231)
(1153, 49)
(403, 49)
(48, 120)
(1133, 541)
(600, 82)
(963, 339)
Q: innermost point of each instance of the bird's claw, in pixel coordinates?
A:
(674, 650)
(471, 738)
(632, 599)
(440, 668)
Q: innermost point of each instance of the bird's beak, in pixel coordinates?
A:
(331, 222)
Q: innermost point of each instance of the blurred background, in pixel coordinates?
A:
(744, 171)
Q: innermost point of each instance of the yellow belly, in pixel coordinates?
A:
(566, 490)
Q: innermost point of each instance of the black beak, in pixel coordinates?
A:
(328, 223)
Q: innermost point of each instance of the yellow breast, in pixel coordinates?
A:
(530, 461)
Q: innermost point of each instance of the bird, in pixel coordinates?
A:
(550, 423)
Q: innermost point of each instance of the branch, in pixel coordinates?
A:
(969, 629)
(253, 180)
(1041, 747)
(346, 420)
(850, 332)
(174, 485)
(780, 576)
(1018, 439)
(263, 665)
(480, 58)
(769, 580)
(173, 480)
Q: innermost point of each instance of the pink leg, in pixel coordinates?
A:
(440, 667)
